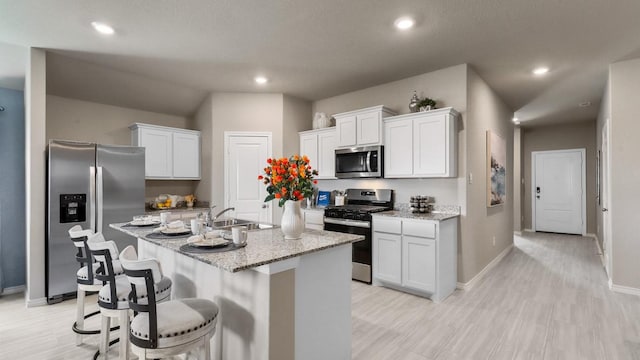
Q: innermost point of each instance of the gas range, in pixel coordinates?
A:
(355, 218)
(353, 212)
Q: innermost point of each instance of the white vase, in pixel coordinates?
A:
(292, 222)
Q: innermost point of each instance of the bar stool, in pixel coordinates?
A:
(169, 328)
(112, 298)
(85, 277)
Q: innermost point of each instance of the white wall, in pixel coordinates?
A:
(248, 112)
(625, 172)
(71, 119)
(481, 109)
(447, 87)
(35, 174)
(486, 111)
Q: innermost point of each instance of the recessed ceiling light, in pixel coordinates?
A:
(540, 71)
(404, 23)
(103, 28)
(515, 119)
(260, 80)
(585, 104)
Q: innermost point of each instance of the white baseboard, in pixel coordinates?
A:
(13, 290)
(37, 302)
(519, 233)
(471, 283)
(529, 230)
(591, 235)
(624, 289)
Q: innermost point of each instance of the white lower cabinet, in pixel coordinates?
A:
(415, 255)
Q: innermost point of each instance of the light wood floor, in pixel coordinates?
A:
(548, 299)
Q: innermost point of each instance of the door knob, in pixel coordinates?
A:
(605, 209)
(264, 206)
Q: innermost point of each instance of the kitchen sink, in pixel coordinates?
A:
(230, 222)
(251, 225)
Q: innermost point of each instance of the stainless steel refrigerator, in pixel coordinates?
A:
(91, 185)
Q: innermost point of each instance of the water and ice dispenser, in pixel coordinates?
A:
(73, 208)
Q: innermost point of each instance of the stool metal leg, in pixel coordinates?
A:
(104, 338)
(124, 334)
(80, 315)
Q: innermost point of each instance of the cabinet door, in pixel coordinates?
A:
(430, 144)
(326, 163)
(398, 148)
(368, 128)
(419, 263)
(346, 131)
(309, 147)
(186, 156)
(387, 257)
(158, 153)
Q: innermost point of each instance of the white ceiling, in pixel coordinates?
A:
(316, 49)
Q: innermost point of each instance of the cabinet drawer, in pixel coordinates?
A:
(387, 225)
(420, 228)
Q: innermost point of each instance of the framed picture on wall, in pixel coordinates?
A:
(496, 169)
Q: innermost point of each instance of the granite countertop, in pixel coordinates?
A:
(314, 208)
(437, 216)
(263, 246)
(177, 209)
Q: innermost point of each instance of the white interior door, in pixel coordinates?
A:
(558, 195)
(246, 158)
(604, 196)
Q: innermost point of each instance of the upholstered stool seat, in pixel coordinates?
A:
(160, 330)
(113, 297)
(85, 278)
(179, 322)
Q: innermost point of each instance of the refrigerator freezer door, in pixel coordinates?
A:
(69, 197)
(120, 171)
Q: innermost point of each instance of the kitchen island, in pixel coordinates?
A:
(279, 299)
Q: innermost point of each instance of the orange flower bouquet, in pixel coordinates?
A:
(288, 179)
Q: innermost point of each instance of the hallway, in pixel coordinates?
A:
(547, 299)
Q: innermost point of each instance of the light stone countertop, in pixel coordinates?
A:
(263, 246)
(436, 216)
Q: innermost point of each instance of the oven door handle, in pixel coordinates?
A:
(356, 223)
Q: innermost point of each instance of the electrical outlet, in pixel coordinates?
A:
(494, 240)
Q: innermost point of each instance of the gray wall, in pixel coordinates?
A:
(625, 172)
(71, 119)
(447, 87)
(560, 137)
(12, 188)
(485, 111)
(35, 173)
(222, 112)
(481, 109)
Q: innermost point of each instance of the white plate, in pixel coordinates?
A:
(176, 231)
(209, 242)
(144, 222)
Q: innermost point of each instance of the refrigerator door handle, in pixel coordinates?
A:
(92, 198)
(100, 193)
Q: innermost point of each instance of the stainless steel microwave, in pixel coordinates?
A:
(359, 162)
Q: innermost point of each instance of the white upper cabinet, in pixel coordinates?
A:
(421, 144)
(361, 127)
(320, 145)
(170, 153)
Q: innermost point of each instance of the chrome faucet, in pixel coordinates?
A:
(222, 212)
(207, 217)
